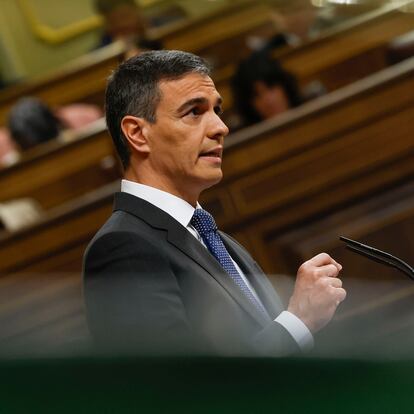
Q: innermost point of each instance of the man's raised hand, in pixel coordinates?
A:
(318, 292)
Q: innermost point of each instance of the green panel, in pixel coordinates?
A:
(206, 386)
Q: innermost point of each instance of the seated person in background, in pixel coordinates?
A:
(262, 89)
(124, 20)
(32, 122)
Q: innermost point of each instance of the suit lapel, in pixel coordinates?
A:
(256, 277)
(180, 238)
(194, 250)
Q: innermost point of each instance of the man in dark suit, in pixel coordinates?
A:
(158, 276)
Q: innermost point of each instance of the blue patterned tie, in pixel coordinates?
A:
(204, 223)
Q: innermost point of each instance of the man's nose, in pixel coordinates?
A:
(218, 128)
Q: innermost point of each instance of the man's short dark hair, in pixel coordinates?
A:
(133, 89)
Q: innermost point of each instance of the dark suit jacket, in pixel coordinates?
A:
(150, 286)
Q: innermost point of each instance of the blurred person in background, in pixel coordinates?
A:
(124, 20)
(262, 89)
(18, 213)
(32, 122)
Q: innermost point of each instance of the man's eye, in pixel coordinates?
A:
(194, 111)
(218, 110)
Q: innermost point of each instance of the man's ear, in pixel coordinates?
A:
(136, 132)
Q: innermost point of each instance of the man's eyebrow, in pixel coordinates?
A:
(198, 101)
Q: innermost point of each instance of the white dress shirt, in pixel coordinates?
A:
(183, 212)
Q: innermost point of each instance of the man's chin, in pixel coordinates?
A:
(214, 179)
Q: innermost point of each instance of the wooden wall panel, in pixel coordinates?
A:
(57, 172)
(42, 313)
(380, 298)
(374, 31)
(41, 303)
(231, 23)
(65, 228)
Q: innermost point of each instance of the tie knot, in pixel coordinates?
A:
(203, 222)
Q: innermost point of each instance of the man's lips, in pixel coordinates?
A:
(216, 152)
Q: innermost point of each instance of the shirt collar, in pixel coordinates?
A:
(176, 207)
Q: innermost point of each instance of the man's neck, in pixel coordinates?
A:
(163, 186)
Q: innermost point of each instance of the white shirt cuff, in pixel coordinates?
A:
(297, 329)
